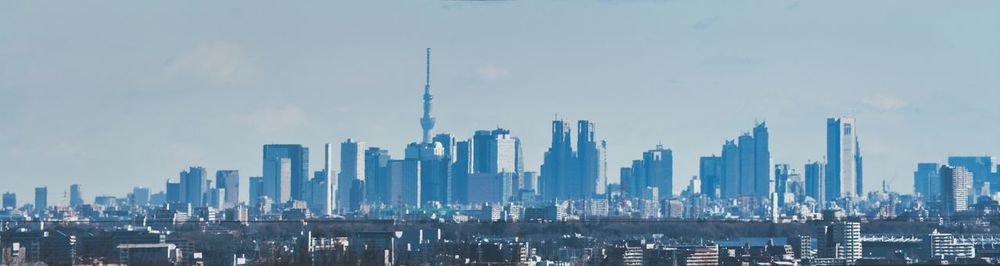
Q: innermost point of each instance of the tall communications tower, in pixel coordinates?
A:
(427, 122)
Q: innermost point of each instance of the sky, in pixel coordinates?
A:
(117, 94)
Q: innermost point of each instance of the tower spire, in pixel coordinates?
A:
(427, 122)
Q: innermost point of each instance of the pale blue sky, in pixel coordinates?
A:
(113, 94)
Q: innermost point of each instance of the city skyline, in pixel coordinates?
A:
(33, 139)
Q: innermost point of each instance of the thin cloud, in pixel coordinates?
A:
(218, 62)
(273, 119)
(883, 102)
(491, 72)
(732, 60)
(706, 23)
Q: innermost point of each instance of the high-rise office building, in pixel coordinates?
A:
(529, 182)
(655, 170)
(795, 187)
(323, 187)
(194, 183)
(447, 142)
(256, 190)
(377, 175)
(41, 199)
(659, 166)
(494, 151)
(843, 157)
(569, 174)
(230, 181)
(955, 184)
(763, 178)
(710, 169)
(9, 200)
(352, 170)
(816, 181)
(781, 173)
(461, 170)
(75, 195)
(590, 157)
(746, 165)
(139, 196)
(410, 179)
(730, 185)
(174, 192)
(927, 181)
(748, 151)
(558, 165)
(278, 186)
(435, 176)
(981, 168)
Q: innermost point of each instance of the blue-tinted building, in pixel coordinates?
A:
(816, 181)
(230, 181)
(927, 181)
(843, 167)
(194, 183)
(710, 170)
(280, 186)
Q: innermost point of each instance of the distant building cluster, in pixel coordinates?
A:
(450, 179)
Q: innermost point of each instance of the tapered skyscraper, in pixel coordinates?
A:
(427, 122)
(843, 166)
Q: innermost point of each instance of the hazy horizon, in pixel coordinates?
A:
(117, 94)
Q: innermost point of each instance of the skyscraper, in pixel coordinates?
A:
(281, 188)
(461, 170)
(981, 168)
(41, 199)
(655, 170)
(816, 181)
(927, 181)
(590, 157)
(174, 192)
(843, 158)
(730, 184)
(139, 196)
(256, 190)
(746, 165)
(566, 174)
(659, 166)
(324, 199)
(434, 169)
(710, 169)
(495, 151)
(763, 179)
(194, 183)
(377, 175)
(230, 181)
(447, 142)
(955, 184)
(781, 173)
(748, 151)
(75, 195)
(558, 164)
(411, 181)
(9, 200)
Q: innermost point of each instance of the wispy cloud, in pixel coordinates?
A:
(491, 72)
(732, 60)
(883, 102)
(273, 119)
(218, 62)
(705, 23)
